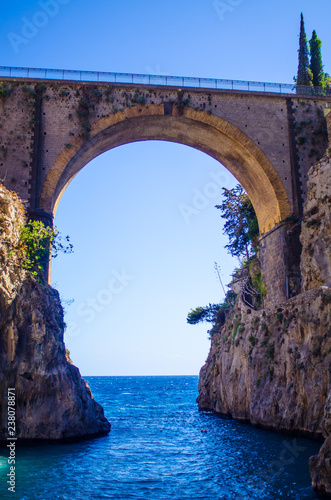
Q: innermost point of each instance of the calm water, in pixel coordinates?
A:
(156, 450)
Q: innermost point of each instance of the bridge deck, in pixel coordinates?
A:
(159, 80)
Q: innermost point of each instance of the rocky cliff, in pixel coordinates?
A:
(316, 227)
(52, 400)
(320, 465)
(272, 367)
(316, 270)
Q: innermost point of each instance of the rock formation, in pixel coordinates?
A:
(316, 270)
(320, 465)
(316, 228)
(52, 400)
(272, 367)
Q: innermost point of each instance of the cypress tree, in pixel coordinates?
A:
(304, 76)
(316, 65)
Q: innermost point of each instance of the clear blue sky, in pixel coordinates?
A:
(139, 266)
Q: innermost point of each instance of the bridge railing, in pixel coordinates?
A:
(173, 81)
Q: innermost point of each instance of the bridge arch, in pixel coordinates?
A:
(198, 129)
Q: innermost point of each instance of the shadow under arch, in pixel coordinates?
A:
(198, 129)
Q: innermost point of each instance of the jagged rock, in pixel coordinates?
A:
(272, 367)
(316, 227)
(52, 400)
(320, 465)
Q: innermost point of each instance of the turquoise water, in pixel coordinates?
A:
(156, 450)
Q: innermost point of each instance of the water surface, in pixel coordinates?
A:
(156, 451)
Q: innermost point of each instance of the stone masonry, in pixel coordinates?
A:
(49, 130)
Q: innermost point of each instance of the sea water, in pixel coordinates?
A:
(161, 447)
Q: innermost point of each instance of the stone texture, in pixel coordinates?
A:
(272, 367)
(316, 227)
(320, 465)
(50, 130)
(52, 400)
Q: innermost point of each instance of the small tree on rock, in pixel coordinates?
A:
(241, 224)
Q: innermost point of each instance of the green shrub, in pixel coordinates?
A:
(253, 340)
(36, 242)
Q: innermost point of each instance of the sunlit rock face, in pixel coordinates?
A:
(52, 400)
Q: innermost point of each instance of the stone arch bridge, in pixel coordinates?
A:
(50, 129)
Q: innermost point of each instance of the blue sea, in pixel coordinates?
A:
(161, 447)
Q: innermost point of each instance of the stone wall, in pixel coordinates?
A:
(41, 120)
(279, 254)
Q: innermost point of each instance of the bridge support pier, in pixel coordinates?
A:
(38, 214)
(279, 252)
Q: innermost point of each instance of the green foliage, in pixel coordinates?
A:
(5, 90)
(201, 314)
(241, 224)
(313, 223)
(253, 340)
(213, 313)
(258, 282)
(279, 316)
(83, 113)
(316, 65)
(137, 98)
(36, 241)
(304, 75)
(271, 351)
(29, 90)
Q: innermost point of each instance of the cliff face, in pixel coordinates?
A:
(316, 228)
(52, 400)
(320, 465)
(272, 367)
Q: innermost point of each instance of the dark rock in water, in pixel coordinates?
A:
(320, 465)
(320, 469)
(52, 400)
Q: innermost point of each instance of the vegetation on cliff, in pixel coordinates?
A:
(241, 224)
(33, 242)
(241, 227)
